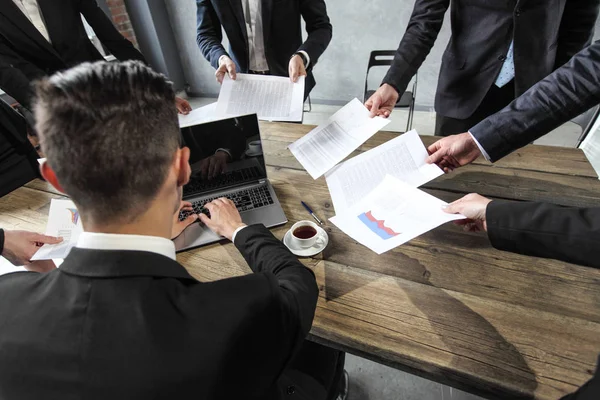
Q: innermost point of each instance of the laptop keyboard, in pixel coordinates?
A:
(244, 200)
(244, 175)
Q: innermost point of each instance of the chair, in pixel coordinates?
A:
(380, 58)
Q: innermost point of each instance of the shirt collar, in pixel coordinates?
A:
(113, 241)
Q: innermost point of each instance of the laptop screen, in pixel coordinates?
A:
(224, 154)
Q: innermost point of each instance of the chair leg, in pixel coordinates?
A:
(409, 122)
(309, 105)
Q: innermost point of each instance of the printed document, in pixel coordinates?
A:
(273, 98)
(403, 157)
(63, 221)
(392, 214)
(199, 115)
(329, 143)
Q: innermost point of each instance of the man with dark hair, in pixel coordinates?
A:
(121, 318)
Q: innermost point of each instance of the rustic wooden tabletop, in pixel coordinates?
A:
(445, 306)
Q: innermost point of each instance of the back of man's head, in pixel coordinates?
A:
(110, 133)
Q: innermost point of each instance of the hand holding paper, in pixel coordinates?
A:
(329, 143)
(63, 221)
(391, 215)
(273, 98)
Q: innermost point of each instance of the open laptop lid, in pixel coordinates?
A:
(224, 154)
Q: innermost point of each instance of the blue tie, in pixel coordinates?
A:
(507, 73)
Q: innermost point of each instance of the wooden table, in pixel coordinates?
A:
(445, 306)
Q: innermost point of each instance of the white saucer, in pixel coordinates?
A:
(319, 246)
(250, 153)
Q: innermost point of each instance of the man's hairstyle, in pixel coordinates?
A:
(110, 132)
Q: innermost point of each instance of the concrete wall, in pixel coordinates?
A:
(359, 26)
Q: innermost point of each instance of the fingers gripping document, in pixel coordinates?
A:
(329, 143)
(63, 221)
(199, 116)
(403, 158)
(392, 214)
(273, 98)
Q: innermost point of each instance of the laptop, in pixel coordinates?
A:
(242, 177)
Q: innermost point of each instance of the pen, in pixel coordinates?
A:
(311, 213)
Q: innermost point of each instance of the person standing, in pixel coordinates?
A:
(265, 37)
(498, 50)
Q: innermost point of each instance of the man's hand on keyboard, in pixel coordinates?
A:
(215, 165)
(180, 225)
(224, 217)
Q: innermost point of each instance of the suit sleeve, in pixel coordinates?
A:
(545, 230)
(562, 95)
(576, 29)
(298, 290)
(422, 31)
(318, 27)
(208, 33)
(12, 78)
(110, 37)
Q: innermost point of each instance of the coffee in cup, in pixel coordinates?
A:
(304, 234)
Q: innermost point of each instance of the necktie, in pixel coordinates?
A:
(34, 15)
(507, 72)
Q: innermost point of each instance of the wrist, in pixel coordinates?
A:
(234, 229)
(302, 58)
(223, 59)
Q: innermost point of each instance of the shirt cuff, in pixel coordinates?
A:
(224, 151)
(224, 55)
(236, 232)
(481, 149)
(305, 54)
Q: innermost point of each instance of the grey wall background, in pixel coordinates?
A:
(359, 26)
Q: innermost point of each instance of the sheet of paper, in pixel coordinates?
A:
(199, 115)
(392, 214)
(273, 98)
(403, 157)
(63, 221)
(329, 143)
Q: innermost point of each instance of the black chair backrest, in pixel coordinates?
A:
(381, 58)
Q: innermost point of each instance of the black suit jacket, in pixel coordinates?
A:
(566, 93)
(25, 55)
(136, 325)
(545, 230)
(18, 163)
(550, 231)
(546, 34)
(282, 33)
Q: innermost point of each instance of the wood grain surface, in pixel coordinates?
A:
(445, 306)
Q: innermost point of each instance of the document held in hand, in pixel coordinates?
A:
(403, 158)
(199, 115)
(329, 143)
(273, 98)
(63, 221)
(392, 214)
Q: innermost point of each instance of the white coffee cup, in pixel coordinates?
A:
(255, 146)
(300, 231)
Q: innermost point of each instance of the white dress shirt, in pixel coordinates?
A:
(113, 241)
(256, 41)
(32, 11)
(254, 29)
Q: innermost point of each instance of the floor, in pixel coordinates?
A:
(369, 380)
